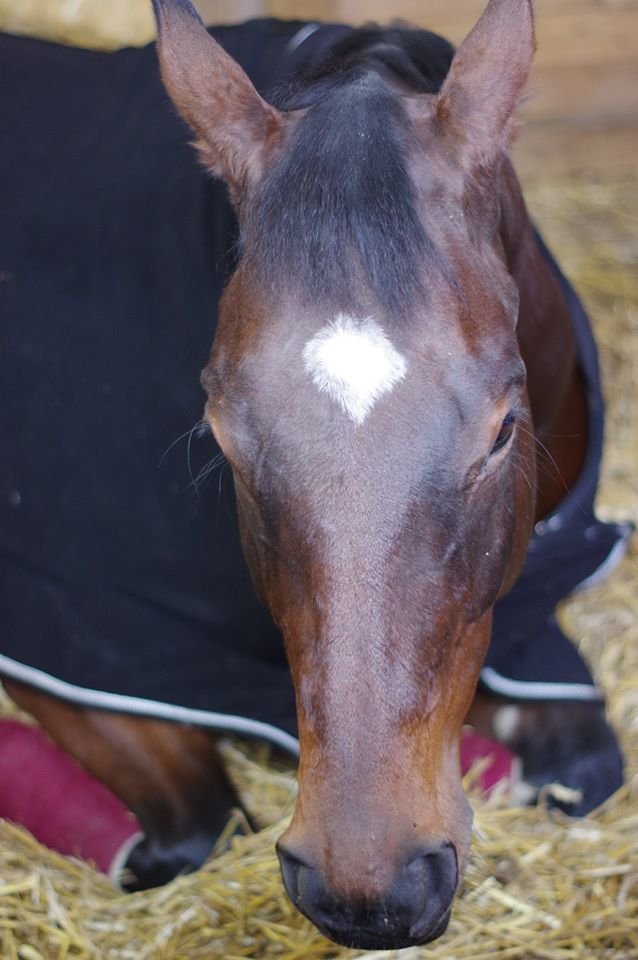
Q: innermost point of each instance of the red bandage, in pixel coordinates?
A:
(45, 791)
(500, 763)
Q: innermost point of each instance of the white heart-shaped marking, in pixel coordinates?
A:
(354, 363)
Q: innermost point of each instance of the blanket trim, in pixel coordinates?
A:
(153, 709)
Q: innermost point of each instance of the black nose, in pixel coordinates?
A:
(414, 910)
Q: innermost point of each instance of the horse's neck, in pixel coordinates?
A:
(548, 348)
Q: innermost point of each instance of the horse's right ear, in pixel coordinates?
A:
(479, 98)
(237, 130)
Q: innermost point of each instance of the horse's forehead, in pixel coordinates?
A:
(357, 363)
(280, 357)
(345, 366)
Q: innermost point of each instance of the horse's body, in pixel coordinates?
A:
(392, 352)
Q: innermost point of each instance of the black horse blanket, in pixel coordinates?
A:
(122, 583)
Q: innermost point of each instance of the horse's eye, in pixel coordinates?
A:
(504, 434)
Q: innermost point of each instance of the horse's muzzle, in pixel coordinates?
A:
(415, 909)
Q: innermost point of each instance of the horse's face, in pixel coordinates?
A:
(379, 533)
(383, 471)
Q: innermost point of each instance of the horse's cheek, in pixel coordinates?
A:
(520, 531)
(497, 539)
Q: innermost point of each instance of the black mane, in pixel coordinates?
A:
(340, 202)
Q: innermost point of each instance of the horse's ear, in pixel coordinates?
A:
(237, 130)
(479, 98)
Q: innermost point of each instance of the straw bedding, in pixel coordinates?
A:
(538, 885)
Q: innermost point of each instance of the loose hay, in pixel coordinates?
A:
(538, 884)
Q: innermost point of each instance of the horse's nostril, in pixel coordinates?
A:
(414, 910)
(293, 871)
(432, 878)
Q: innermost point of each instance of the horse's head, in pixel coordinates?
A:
(367, 388)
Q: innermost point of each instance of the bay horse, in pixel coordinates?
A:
(392, 352)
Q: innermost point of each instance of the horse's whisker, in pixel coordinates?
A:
(218, 460)
(544, 454)
(199, 429)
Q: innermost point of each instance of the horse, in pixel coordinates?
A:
(394, 364)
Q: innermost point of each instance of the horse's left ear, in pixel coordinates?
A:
(478, 100)
(237, 130)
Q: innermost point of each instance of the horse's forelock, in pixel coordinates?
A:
(338, 210)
